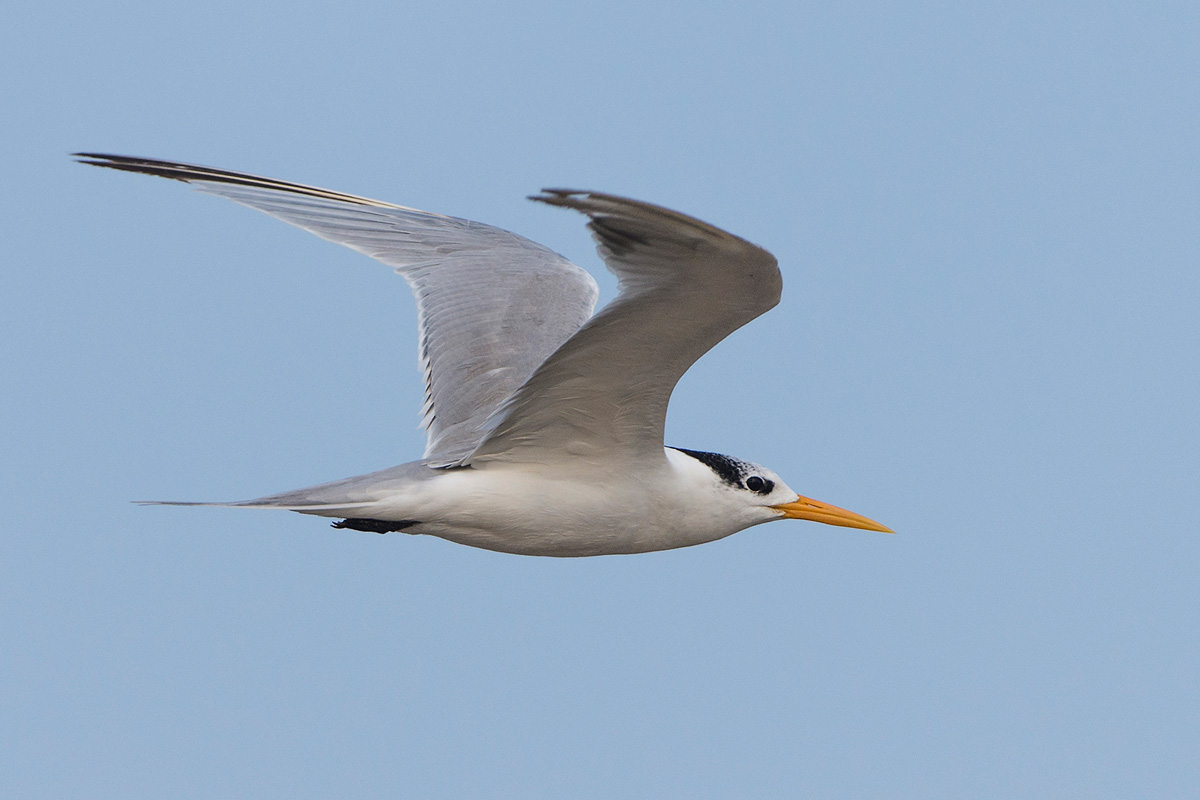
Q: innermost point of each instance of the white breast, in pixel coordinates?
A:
(533, 511)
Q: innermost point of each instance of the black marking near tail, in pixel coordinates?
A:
(375, 525)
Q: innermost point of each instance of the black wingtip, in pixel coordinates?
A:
(145, 166)
(187, 173)
(95, 159)
(558, 197)
(106, 159)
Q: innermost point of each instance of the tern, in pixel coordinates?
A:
(544, 422)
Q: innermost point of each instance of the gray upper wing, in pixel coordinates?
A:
(491, 305)
(600, 400)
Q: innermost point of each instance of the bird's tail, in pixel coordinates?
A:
(348, 497)
(320, 509)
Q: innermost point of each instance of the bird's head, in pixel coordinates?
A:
(765, 497)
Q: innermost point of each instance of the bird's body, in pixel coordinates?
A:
(534, 510)
(545, 423)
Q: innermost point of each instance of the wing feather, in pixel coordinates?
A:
(491, 305)
(601, 399)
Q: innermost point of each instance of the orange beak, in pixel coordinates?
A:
(807, 508)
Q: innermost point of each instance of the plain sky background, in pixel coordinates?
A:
(986, 215)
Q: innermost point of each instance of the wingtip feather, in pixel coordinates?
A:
(558, 197)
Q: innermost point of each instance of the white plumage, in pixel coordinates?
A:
(544, 423)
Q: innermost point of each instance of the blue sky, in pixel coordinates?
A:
(986, 220)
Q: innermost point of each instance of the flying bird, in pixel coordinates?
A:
(544, 422)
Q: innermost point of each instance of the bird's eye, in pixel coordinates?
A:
(757, 484)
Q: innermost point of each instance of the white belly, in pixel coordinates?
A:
(528, 513)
